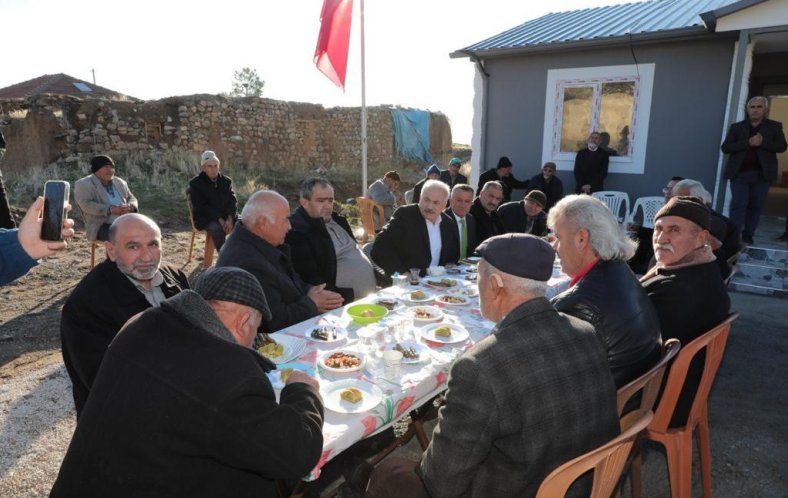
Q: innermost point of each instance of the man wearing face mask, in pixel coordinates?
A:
(549, 184)
(322, 245)
(591, 166)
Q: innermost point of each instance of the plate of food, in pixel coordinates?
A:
(427, 313)
(389, 302)
(351, 396)
(416, 296)
(326, 333)
(284, 349)
(471, 290)
(412, 352)
(342, 361)
(453, 299)
(445, 333)
(279, 376)
(441, 283)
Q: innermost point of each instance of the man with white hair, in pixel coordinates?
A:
(752, 146)
(685, 286)
(534, 394)
(419, 235)
(603, 291)
(257, 245)
(214, 206)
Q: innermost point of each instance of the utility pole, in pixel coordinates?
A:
(94, 75)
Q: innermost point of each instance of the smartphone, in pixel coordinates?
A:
(55, 200)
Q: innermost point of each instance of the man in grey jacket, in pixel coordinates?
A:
(534, 394)
(102, 197)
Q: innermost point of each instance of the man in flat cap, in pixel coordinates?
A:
(102, 197)
(685, 286)
(603, 291)
(182, 405)
(214, 206)
(525, 216)
(549, 184)
(534, 394)
(131, 279)
(452, 176)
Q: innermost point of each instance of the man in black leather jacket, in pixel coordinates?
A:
(604, 292)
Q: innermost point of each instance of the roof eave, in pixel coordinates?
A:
(692, 32)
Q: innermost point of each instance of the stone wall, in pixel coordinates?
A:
(249, 132)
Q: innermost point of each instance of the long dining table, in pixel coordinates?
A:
(388, 396)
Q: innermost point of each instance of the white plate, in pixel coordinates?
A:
(371, 396)
(458, 333)
(293, 348)
(435, 314)
(444, 288)
(406, 297)
(442, 299)
(388, 297)
(341, 334)
(358, 355)
(421, 349)
(471, 290)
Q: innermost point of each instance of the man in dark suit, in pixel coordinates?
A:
(131, 280)
(322, 245)
(591, 166)
(526, 216)
(214, 205)
(452, 176)
(503, 175)
(419, 235)
(485, 211)
(531, 396)
(257, 245)
(459, 208)
(549, 184)
(752, 145)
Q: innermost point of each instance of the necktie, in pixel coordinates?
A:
(463, 239)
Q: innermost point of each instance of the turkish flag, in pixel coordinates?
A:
(334, 39)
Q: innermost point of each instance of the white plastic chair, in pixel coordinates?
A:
(614, 200)
(649, 206)
(409, 196)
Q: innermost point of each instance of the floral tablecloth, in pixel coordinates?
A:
(416, 384)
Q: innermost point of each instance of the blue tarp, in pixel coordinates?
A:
(412, 134)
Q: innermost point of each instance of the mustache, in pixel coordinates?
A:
(664, 247)
(429, 210)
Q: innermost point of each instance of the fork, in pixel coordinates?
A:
(267, 339)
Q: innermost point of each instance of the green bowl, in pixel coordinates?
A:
(357, 312)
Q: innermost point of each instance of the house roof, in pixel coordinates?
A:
(60, 84)
(614, 23)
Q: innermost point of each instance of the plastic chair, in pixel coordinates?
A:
(409, 196)
(614, 200)
(93, 245)
(207, 260)
(647, 384)
(649, 206)
(366, 208)
(607, 461)
(678, 441)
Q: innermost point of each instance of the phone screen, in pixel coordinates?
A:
(55, 200)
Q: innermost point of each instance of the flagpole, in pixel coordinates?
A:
(363, 111)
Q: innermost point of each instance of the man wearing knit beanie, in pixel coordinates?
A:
(102, 197)
(685, 286)
(433, 173)
(214, 205)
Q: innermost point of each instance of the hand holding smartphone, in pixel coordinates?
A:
(56, 195)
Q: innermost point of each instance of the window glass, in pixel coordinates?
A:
(616, 103)
(576, 117)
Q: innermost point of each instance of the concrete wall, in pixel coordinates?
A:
(250, 132)
(687, 110)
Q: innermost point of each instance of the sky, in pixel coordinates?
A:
(156, 49)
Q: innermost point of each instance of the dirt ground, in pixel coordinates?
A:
(748, 407)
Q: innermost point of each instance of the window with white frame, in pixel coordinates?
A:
(613, 100)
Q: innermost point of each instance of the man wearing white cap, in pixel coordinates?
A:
(214, 205)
